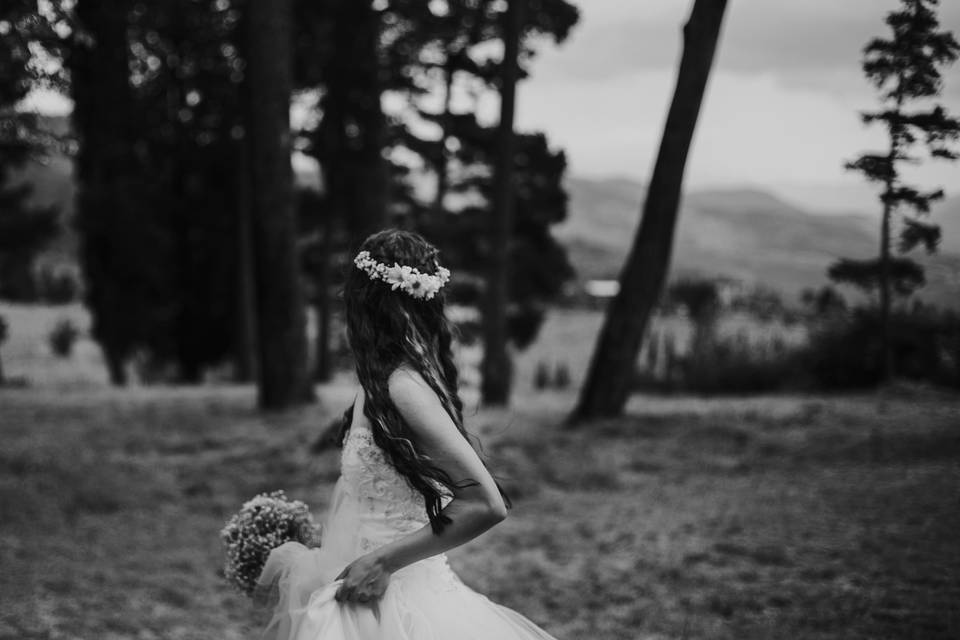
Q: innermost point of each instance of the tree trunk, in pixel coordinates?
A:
(105, 119)
(607, 386)
(886, 353)
(356, 163)
(323, 368)
(246, 329)
(283, 379)
(496, 367)
(443, 162)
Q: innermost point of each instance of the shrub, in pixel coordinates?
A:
(541, 377)
(846, 354)
(727, 364)
(734, 365)
(58, 285)
(62, 337)
(561, 376)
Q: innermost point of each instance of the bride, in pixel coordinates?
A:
(411, 486)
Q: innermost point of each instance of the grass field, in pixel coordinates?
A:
(755, 518)
(736, 518)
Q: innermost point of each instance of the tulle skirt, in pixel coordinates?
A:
(424, 601)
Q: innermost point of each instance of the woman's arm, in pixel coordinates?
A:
(473, 509)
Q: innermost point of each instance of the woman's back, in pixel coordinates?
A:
(387, 505)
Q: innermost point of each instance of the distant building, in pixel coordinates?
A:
(602, 289)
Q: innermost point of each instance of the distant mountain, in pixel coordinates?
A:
(747, 234)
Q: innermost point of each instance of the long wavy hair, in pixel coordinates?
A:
(388, 329)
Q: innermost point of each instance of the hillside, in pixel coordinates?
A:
(747, 234)
(742, 233)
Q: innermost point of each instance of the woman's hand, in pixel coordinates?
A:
(364, 582)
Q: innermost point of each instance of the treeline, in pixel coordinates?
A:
(169, 189)
(716, 337)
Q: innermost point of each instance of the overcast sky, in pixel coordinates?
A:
(781, 106)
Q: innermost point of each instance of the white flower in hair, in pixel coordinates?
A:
(403, 277)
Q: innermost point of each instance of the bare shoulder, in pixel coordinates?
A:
(416, 400)
(407, 387)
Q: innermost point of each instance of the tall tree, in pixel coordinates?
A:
(355, 129)
(121, 244)
(906, 70)
(4, 331)
(453, 39)
(268, 35)
(609, 376)
(156, 113)
(24, 229)
(496, 368)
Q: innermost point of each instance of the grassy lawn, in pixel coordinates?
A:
(778, 517)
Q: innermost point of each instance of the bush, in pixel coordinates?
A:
(59, 286)
(846, 354)
(561, 376)
(62, 337)
(541, 377)
(755, 359)
(734, 365)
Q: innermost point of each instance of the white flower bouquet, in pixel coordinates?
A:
(263, 524)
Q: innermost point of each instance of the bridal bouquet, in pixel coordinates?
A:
(261, 525)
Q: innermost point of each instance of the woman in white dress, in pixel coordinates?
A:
(411, 485)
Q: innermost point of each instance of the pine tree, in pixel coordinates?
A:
(155, 92)
(24, 229)
(906, 70)
(497, 367)
(283, 379)
(611, 369)
(476, 177)
(4, 334)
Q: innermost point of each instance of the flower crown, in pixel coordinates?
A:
(407, 279)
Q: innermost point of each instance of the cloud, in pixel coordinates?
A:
(810, 43)
(753, 129)
(781, 108)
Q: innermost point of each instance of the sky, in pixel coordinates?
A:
(781, 109)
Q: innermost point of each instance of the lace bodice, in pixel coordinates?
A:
(373, 504)
(382, 491)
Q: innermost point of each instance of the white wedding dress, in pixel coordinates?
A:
(372, 504)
